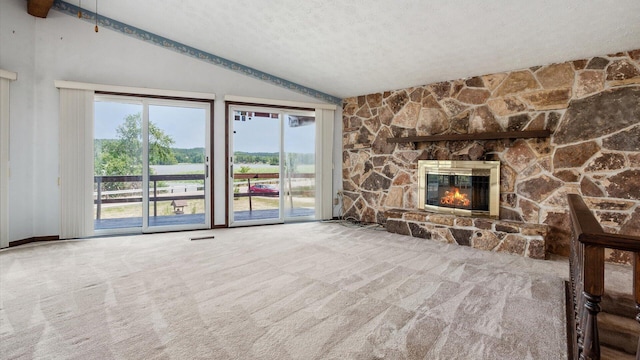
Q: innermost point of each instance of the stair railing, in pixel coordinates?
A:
(587, 277)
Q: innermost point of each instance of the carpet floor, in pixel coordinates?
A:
(296, 291)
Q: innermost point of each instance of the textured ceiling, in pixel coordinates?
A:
(347, 48)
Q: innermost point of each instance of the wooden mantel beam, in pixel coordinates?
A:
(39, 8)
(475, 136)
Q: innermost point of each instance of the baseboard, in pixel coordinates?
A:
(57, 237)
(33, 239)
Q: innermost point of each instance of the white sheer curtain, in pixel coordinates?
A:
(324, 150)
(76, 163)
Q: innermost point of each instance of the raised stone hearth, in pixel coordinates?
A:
(480, 233)
(591, 108)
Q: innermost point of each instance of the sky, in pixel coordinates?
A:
(261, 134)
(187, 128)
(185, 125)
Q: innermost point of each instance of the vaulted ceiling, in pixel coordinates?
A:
(354, 47)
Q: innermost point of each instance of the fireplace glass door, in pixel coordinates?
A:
(467, 188)
(453, 190)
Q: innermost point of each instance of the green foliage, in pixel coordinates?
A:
(160, 152)
(244, 169)
(123, 156)
(241, 157)
(295, 159)
(256, 158)
(189, 156)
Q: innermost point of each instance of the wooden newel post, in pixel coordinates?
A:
(587, 276)
(591, 345)
(636, 292)
(593, 277)
(638, 320)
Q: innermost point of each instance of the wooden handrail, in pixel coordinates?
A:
(583, 219)
(590, 232)
(242, 176)
(612, 241)
(134, 178)
(587, 276)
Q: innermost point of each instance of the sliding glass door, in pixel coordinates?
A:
(118, 163)
(178, 166)
(151, 164)
(272, 167)
(299, 148)
(256, 172)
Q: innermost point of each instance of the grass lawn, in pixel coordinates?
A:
(119, 211)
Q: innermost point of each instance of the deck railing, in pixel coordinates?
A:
(153, 179)
(265, 176)
(587, 277)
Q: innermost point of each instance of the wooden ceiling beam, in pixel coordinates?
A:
(39, 8)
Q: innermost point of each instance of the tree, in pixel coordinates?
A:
(190, 156)
(160, 152)
(123, 156)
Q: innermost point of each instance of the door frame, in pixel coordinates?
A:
(230, 106)
(316, 163)
(145, 169)
(146, 100)
(328, 156)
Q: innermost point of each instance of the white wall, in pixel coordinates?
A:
(61, 47)
(17, 49)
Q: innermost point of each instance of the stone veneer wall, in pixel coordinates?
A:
(592, 107)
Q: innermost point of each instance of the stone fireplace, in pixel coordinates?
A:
(591, 109)
(467, 188)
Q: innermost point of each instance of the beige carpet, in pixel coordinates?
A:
(300, 291)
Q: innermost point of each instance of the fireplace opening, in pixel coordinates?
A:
(459, 187)
(458, 191)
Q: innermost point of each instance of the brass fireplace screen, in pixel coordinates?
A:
(468, 188)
